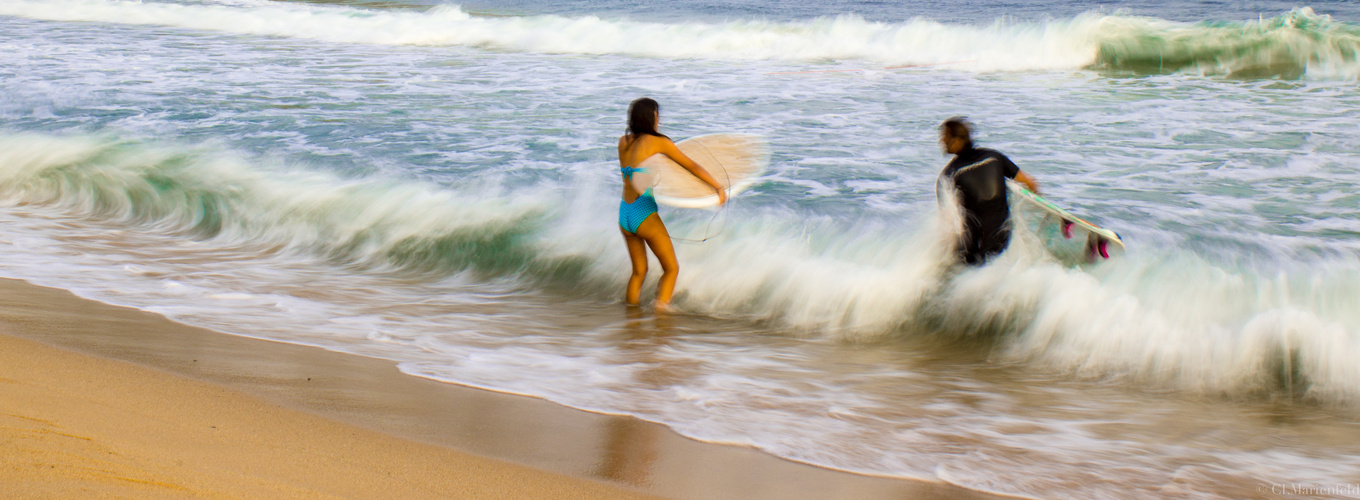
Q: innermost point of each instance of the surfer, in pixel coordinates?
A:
(978, 176)
(638, 219)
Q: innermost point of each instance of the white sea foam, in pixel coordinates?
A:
(1162, 318)
(1296, 43)
(1001, 46)
(1291, 45)
(845, 37)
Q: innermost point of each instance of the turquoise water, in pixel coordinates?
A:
(436, 184)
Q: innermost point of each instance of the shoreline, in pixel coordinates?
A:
(622, 456)
(76, 426)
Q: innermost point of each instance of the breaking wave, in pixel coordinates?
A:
(1164, 318)
(1297, 44)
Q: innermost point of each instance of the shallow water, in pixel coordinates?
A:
(435, 184)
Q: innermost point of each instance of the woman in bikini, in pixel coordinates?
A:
(638, 219)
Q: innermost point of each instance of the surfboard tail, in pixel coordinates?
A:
(1097, 244)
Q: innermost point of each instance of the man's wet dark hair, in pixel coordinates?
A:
(958, 127)
(642, 115)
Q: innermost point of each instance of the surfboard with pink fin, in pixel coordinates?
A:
(1066, 235)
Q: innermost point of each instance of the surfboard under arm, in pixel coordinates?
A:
(1099, 241)
(734, 160)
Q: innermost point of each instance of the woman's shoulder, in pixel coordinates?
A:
(644, 140)
(658, 140)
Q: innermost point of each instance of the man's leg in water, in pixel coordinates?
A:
(977, 254)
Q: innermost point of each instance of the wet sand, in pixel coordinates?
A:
(75, 426)
(145, 406)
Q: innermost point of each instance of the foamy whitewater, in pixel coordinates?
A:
(436, 184)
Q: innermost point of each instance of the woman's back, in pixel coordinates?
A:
(632, 151)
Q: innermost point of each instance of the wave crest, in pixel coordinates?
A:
(400, 226)
(845, 37)
(1298, 44)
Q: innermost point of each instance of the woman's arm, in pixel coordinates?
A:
(679, 157)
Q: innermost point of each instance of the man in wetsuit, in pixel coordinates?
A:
(979, 177)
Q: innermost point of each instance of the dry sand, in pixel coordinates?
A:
(153, 408)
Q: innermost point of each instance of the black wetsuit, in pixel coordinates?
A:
(979, 175)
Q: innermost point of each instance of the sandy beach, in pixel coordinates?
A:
(76, 426)
(132, 404)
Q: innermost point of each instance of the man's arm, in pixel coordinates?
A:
(1029, 182)
(1012, 171)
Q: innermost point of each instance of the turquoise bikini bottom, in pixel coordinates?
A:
(632, 214)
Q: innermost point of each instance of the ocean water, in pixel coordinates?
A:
(435, 184)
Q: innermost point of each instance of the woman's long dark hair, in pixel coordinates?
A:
(642, 115)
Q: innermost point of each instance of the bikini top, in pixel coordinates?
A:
(628, 177)
(628, 171)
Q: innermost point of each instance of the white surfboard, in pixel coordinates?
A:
(734, 160)
(1065, 234)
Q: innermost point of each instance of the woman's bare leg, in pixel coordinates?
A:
(637, 253)
(659, 240)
